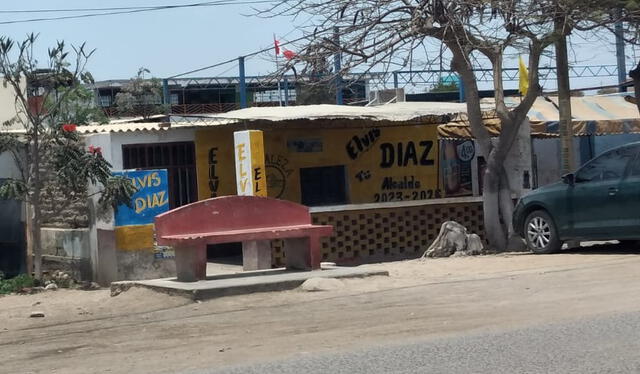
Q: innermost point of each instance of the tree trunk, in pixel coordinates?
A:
(491, 192)
(36, 237)
(564, 99)
(635, 75)
(36, 233)
(494, 214)
(497, 203)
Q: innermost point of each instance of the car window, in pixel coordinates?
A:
(634, 168)
(608, 166)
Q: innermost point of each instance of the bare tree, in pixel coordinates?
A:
(382, 33)
(389, 34)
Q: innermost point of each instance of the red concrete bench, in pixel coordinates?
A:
(252, 220)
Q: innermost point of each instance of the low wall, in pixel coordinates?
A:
(367, 233)
(68, 250)
(363, 233)
(144, 264)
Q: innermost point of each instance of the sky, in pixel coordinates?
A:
(169, 42)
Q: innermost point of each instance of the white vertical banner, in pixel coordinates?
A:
(249, 158)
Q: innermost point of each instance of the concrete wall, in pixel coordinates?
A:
(518, 163)
(71, 243)
(68, 249)
(146, 261)
(548, 159)
(147, 137)
(369, 233)
(8, 167)
(381, 164)
(8, 106)
(606, 142)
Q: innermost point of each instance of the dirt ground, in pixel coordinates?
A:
(142, 331)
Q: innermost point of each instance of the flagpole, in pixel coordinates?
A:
(278, 70)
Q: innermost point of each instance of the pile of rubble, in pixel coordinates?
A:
(454, 240)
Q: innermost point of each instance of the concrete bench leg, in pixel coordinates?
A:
(191, 262)
(302, 253)
(256, 255)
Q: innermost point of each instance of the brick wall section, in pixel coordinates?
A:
(60, 208)
(387, 234)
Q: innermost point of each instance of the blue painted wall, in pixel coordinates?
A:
(151, 199)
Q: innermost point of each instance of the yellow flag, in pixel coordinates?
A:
(524, 77)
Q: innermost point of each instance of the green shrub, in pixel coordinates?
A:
(8, 286)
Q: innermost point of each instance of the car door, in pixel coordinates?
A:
(594, 202)
(627, 201)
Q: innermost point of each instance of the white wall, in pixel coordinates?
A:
(8, 106)
(547, 159)
(8, 167)
(111, 146)
(147, 137)
(518, 160)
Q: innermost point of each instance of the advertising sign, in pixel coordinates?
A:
(151, 199)
(251, 178)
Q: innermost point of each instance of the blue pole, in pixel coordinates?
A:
(165, 92)
(243, 83)
(622, 69)
(286, 92)
(395, 80)
(461, 90)
(337, 62)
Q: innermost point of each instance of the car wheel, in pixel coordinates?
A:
(540, 233)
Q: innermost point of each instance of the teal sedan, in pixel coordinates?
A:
(600, 201)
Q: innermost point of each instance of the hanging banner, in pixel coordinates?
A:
(251, 177)
(457, 157)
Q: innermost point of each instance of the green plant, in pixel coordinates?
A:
(51, 100)
(15, 284)
(141, 96)
(443, 86)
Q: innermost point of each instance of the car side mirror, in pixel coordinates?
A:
(569, 179)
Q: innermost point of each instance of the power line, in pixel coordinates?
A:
(131, 10)
(204, 68)
(73, 10)
(247, 55)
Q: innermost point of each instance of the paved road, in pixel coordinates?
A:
(596, 345)
(488, 314)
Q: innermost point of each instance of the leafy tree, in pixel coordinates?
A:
(50, 102)
(141, 96)
(387, 33)
(443, 86)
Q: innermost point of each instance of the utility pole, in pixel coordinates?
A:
(337, 67)
(622, 66)
(564, 97)
(165, 96)
(243, 83)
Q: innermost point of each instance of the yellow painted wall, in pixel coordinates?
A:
(135, 237)
(382, 164)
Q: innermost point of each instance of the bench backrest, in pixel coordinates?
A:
(231, 213)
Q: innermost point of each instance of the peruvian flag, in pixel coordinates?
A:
(289, 55)
(276, 45)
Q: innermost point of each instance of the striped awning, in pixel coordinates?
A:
(592, 115)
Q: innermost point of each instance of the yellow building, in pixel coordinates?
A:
(371, 172)
(330, 159)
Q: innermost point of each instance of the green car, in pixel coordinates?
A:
(600, 201)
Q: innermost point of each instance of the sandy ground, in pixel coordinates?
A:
(142, 331)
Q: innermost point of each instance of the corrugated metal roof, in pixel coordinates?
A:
(587, 108)
(396, 112)
(147, 126)
(608, 109)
